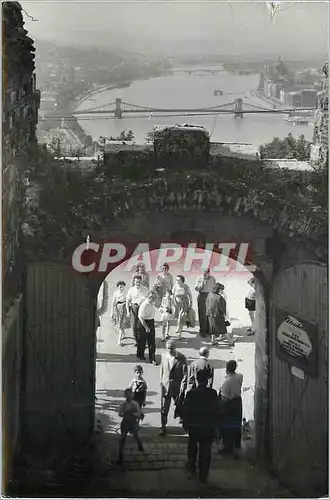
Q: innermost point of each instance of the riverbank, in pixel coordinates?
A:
(83, 140)
(189, 91)
(269, 100)
(112, 86)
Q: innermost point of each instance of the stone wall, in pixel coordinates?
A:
(93, 200)
(11, 385)
(320, 146)
(179, 146)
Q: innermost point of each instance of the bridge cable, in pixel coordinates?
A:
(141, 116)
(96, 107)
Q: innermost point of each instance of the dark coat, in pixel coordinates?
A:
(216, 313)
(174, 382)
(201, 409)
(200, 365)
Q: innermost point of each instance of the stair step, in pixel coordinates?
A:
(159, 453)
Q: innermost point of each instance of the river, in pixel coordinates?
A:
(196, 90)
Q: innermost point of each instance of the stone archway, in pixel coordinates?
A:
(201, 226)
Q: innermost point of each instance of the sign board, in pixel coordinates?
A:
(296, 341)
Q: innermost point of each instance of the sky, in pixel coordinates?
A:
(183, 26)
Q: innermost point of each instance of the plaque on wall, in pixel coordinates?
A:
(296, 341)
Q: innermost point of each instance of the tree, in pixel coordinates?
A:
(289, 147)
(123, 136)
(149, 137)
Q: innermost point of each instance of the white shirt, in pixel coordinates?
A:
(135, 296)
(146, 310)
(232, 386)
(171, 360)
(251, 294)
(205, 285)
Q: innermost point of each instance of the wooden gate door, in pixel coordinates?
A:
(59, 354)
(299, 377)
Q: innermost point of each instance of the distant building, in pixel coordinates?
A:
(275, 90)
(309, 98)
(20, 103)
(294, 99)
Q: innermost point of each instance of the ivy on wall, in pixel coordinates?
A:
(70, 200)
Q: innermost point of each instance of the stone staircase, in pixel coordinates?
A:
(159, 471)
(159, 452)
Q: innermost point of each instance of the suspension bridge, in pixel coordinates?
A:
(119, 108)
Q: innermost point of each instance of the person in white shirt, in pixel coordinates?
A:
(147, 332)
(231, 400)
(135, 296)
(250, 304)
(141, 271)
(204, 285)
(119, 315)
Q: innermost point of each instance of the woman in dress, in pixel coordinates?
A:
(165, 280)
(118, 311)
(183, 299)
(140, 270)
(216, 312)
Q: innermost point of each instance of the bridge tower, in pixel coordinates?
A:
(118, 110)
(238, 110)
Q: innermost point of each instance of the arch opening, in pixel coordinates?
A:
(115, 364)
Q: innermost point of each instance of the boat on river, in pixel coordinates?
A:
(299, 118)
(218, 92)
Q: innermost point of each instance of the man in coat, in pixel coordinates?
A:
(200, 365)
(201, 415)
(173, 381)
(204, 286)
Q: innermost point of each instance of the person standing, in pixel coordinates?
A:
(119, 315)
(201, 414)
(215, 306)
(139, 388)
(147, 333)
(130, 413)
(204, 286)
(141, 271)
(167, 309)
(135, 296)
(183, 300)
(250, 305)
(165, 281)
(231, 402)
(201, 365)
(173, 381)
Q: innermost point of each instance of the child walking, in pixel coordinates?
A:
(139, 388)
(130, 413)
(167, 309)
